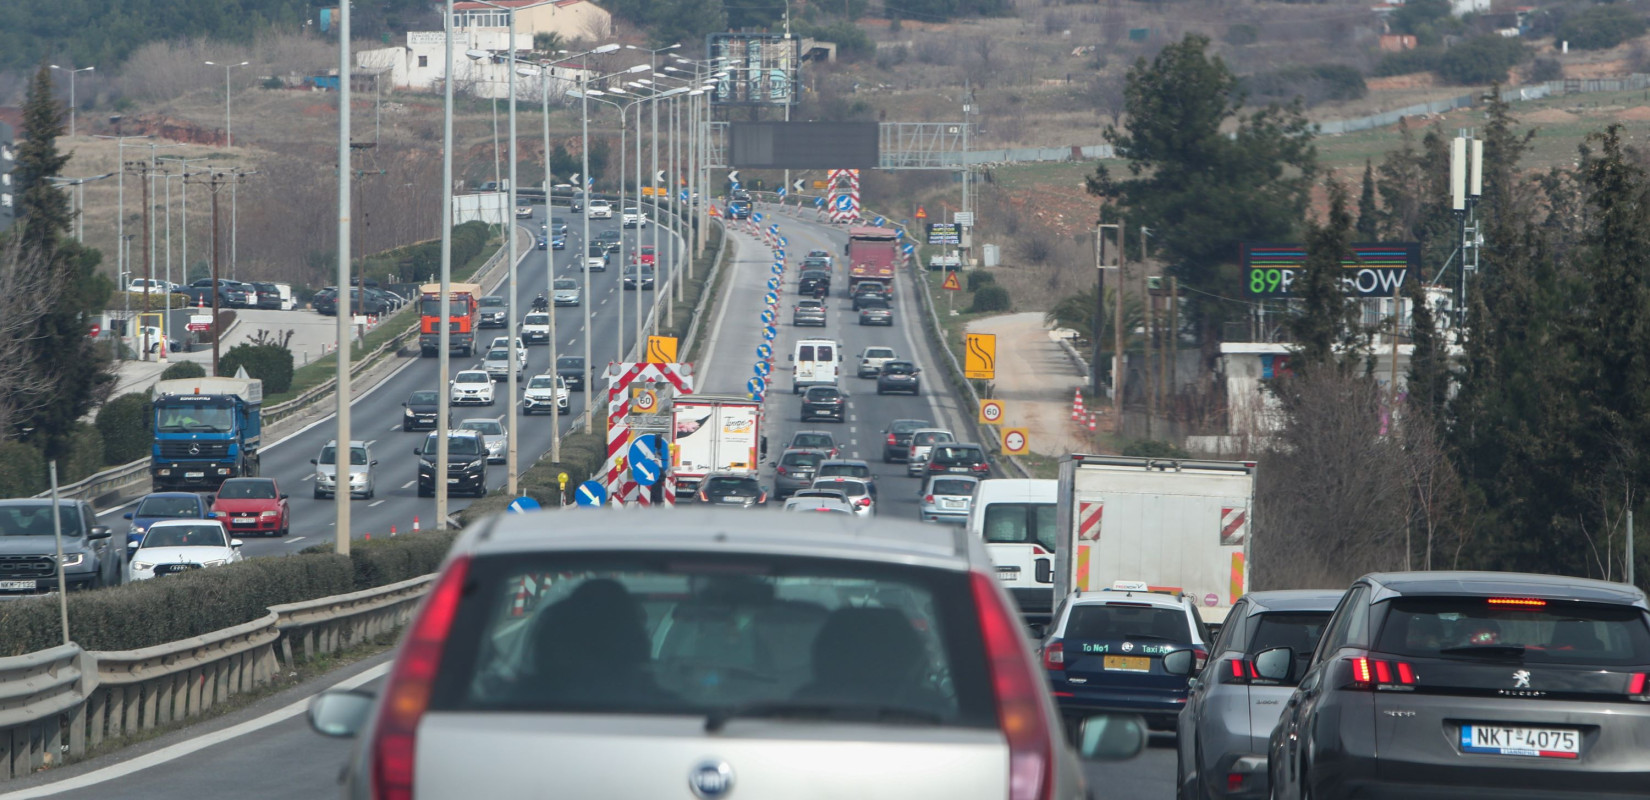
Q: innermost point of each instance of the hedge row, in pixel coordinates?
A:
(157, 611)
(415, 263)
(582, 457)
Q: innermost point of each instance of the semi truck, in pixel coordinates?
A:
(871, 253)
(715, 434)
(464, 303)
(1178, 525)
(207, 430)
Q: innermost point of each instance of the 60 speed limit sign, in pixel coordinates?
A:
(991, 412)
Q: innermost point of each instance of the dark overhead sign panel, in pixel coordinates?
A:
(944, 233)
(802, 145)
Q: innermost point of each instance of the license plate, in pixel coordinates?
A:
(952, 503)
(1127, 663)
(1511, 740)
(194, 474)
(733, 499)
(452, 480)
(246, 520)
(1008, 573)
(17, 586)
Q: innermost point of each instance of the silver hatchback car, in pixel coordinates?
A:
(699, 654)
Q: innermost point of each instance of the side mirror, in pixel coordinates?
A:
(127, 515)
(418, 451)
(339, 714)
(791, 357)
(98, 532)
(1111, 737)
(313, 461)
(1038, 630)
(1178, 663)
(1276, 664)
(285, 496)
(235, 543)
(372, 463)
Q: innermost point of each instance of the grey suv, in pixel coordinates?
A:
(1230, 711)
(698, 652)
(28, 548)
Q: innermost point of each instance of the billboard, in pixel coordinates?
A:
(944, 233)
(764, 69)
(803, 145)
(1375, 269)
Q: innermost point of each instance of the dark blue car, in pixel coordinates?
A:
(165, 505)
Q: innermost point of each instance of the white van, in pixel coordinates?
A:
(816, 362)
(288, 302)
(1015, 517)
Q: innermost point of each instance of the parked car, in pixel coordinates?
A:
(795, 470)
(1460, 684)
(252, 505)
(599, 209)
(466, 462)
(493, 435)
(813, 440)
(922, 443)
(571, 370)
(471, 387)
(494, 312)
(824, 402)
(157, 506)
(872, 359)
(957, 458)
(568, 292)
(729, 489)
(808, 312)
(875, 311)
(325, 301)
(363, 477)
(899, 376)
(1231, 711)
(543, 393)
(28, 547)
(947, 498)
(858, 491)
(269, 296)
(175, 546)
(896, 438)
(885, 653)
(146, 286)
(421, 407)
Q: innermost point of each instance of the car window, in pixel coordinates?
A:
(801, 459)
(1594, 634)
(1297, 630)
(898, 368)
(908, 425)
(728, 484)
(826, 353)
(456, 445)
(1119, 621)
(569, 362)
(846, 470)
(879, 352)
(1020, 523)
(423, 398)
(541, 382)
(500, 354)
(823, 393)
(675, 633)
(957, 455)
(952, 487)
(168, 507)
(35, 519)
(247, 490)
(486, 427)
(537, 319)
(1335, 637)
(805, 353)
(821, 440)
(849, 488)
(566, 283)
(488, 302)
(185, 536)
(931, 438)
(473, 377)
(1237, 623)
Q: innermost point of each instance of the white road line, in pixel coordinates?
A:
(375, 503)
(309, 477)
(408, 484)
(296, 539)
(192, 745)
(392, 427)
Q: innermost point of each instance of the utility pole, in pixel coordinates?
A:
(1174, 332)
(341, 525)
(217, 332)
(1146, 362)
(1117, 343)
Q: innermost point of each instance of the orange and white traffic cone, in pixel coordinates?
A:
(392, 530)
(1092, 418)
(415, 523)
(1077, 406)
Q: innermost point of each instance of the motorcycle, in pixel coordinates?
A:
(541, 304)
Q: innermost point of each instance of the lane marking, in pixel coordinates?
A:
(295, 539)
(193, 745)
(375, 503)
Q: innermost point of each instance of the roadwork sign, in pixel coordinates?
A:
(1016, 441)
(991, 412)
(980, 355)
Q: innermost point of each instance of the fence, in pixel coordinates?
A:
(65, 700)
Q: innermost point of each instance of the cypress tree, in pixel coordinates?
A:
(1368, 212)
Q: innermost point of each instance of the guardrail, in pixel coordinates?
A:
(57, 703)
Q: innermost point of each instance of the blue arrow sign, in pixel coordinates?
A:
(899, 233)
(756, 216)
(781, 191)
(910, 248)
(763, 368)
(684, 195)
(772, 298)
(878, 223)
(773, 229)
(779, 269)
(767, 316)
(819, 202)
(773, 284)
(646, 462)
(782, 242)
(844, 202)
(590, 493)
(645, 473)
(644, 448)
(756, 386)
(769, 333)
(522, 505)
(764, 351)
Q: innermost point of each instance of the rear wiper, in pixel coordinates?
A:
(874, 713)
(1485, 650)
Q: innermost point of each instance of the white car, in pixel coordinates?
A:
(472, 387)
(171, 546)
(861, 494)
(146, 286)
(567, 292)
(871, 361)
(543, 392)
(523, 212)
(493, 434)
(599, 209)
(830, 505)
(632, 218)
(595, 264)
(535, 328)
(497, 363)
(504, 341)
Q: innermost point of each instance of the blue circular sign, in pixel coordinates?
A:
(767, 316)
(779, 269)
(763, 368)
(590, 493)
(773, 284)
(772, 298)
(756, 385)
(769, 333)
(844, 202)
(764, 351)
(878, 223)
(522, 505)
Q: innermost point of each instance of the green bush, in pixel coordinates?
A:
(1313, 84)
(1409, 61)
(22, 471)
(1482, 59)
(1601, 27)
(270, 363)
(124, 424)
(979, 278)
(1153, 448)
(84, 457)
(387, 560)
(1546, 69)
(183, 369)
(990, 297)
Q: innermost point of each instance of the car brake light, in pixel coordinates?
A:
(1054, 656)
(929, 499)
(1525, 602)
(703, 498)
(782, 469)
(1200, 658)
(864, 502)
(1019, 691)
(891, 439)
(1238, 670)
(1376, 673)
(1639, 687)
(407, 692)
(1234, 781)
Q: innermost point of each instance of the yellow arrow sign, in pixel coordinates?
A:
(661, 349)
(951, 282)
(980, 356)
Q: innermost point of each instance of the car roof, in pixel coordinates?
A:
(714, 531)
(462, 373)
(857, 462)
(352, 443)
(1295, 600)
(1102, 598)
(1517, 584)
(799, 433)
(944, 477)
(169, 494)
(173, 523)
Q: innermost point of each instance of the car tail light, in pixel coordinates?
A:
(1639, 688)
(703, 498)
(981, 467)
(762, 498)
(1234, 782)
(929, 499)
(1054, 656)
(864, 502)
(407, 692)
(782, 470)
(1200, 657)
(1517, 602)
(891, 439)
(1239, 671)
(1019, 690)
(1377, 673)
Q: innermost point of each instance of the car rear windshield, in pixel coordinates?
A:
(1549, 632)
(951, 487)
(821, 440)
(898, 368)
(1296, 630)
(733, 485)
(1120, 621)
(847, 488)
(1019, 523)
(688, 633)
(801, 459)
(357, 455)
(930, 438)
(846, 470)
(569, 362)
(823, 393)
(492, 302)
(958, 455)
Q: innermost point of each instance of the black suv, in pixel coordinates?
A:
(827, 402)
(814, 283)
(268, 295)
(1469, 684)
(958, 459)
(571, 370)
(325, 302)
(869, 290)
(896, 438)
(422, 408)
(28, 548)
(466, 463)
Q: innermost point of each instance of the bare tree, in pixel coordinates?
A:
(26, 294)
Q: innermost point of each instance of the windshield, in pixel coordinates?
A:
(357, 455)
(570, 362)
(168, 508)
(1019, 523)
(1128, 622)
(958, 455)
(194, 418)
(879, 352)
(456, 446)
(492, 302)
(499, 354)
(670, 633)
(472, 377)
(204, 535)
(952, 487)
(247, 489)
(541, 382)
(1297, 630)
(486, 427)
(537, 319)
(908, 425)
(1552, 632)
(35, 519)
(849, 488)
(432, 308)
(425, 398)
(566, 283)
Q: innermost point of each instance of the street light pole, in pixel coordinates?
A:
(444, 356)
(341, 531)
(228, 121)
(72, 104)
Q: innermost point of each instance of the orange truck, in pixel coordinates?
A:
(871, 253)
(464, 303)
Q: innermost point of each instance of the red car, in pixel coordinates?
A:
(645, 256)
(252, 505)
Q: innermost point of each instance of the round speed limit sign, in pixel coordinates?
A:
(991, 412)
(646, 401)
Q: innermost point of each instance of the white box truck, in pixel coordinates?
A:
(714, 434)
(1174, 524)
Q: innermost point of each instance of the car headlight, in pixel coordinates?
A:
(138, 529)
(269, 513)
(142, 565)
(73, 559)
(409, 412)
(424, 462)
(477, 465)
(216, 562)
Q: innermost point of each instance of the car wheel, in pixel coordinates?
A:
(320, 495)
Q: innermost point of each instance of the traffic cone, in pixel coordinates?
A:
(392, 530)
(1077, 406)
(1092, 416)
(368, 537)
(415, 523)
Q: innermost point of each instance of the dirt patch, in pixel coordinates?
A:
(319, 109)
(1414, 80)
(1549, 116)
(1635, 114)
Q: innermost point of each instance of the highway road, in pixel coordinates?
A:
(376, 415)
(266, 753)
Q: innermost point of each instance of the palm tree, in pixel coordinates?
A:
(1077, 313)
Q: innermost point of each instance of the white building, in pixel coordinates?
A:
(421, 63)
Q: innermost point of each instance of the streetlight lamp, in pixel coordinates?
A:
(228, 93)
(123, 268)
(71, 91)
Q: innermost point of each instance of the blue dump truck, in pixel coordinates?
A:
(206, 430)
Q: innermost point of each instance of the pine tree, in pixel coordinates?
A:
(1368, 212)
(1323, 329)
(1428, 379)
